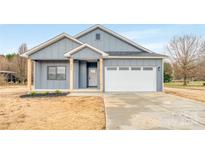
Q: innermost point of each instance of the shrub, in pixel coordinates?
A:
(58, 92)
(167, 78)
(33, 93)
(46, 92)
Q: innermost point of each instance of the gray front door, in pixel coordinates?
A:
(92, 76)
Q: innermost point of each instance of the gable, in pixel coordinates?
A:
(56, 50)
(107, 42)
(86, 54)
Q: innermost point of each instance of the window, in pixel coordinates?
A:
(97, 36)
(51, 73)
(112, 68)
(135, 68)
(147, 68)
(61, 73)
(123, 68)
(56, 72)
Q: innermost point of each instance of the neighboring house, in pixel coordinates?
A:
(95, 59)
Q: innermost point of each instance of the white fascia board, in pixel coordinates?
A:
(68, 54)
(49, 42)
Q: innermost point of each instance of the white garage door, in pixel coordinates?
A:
(135, 78)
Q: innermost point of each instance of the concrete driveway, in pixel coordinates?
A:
(152, 111)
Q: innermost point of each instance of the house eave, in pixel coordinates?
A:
(114, 34)
(49, 42)
(135, 57)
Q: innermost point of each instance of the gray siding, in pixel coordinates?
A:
(139, 62)
(107, 42)
(55, 51)
(86, 54)
(41, 81)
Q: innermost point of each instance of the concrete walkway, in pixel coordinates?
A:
(152, 111)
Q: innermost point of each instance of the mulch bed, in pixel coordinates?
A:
(43, 95)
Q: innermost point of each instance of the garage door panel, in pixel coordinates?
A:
(130, 80)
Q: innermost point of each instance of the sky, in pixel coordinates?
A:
(152, 36)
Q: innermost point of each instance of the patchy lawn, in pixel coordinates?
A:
(194, 90)
(191, 85)
(49, 113)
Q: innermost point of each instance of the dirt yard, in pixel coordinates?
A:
(191, 93)
(49, 113)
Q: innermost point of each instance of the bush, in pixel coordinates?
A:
(58, 92)
(33, 93)
(167, 78)
(46, 92)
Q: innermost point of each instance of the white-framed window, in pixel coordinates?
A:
(147, 68)
(56, 73)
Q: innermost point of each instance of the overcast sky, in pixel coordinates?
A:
(152, 36)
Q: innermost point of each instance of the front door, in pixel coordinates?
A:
(92, 74)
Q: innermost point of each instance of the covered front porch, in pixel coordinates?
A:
(86, 68)
(86, 75)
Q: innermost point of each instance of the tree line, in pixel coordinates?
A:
(15, 63)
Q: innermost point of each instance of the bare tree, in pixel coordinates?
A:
(185, 52)
(21, 63)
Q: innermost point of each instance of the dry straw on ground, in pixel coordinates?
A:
(196, 94)
(56, 113)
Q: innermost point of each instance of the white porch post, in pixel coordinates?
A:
(101, 75)
(29, 73)
(71, 74)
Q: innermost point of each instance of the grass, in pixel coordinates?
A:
(49, 113)
(194, 90)
(192, 84)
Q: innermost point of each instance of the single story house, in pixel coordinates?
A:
(96, 59)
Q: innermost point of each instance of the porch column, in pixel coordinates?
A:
(29, 73)
(101, 75)
(71, 74)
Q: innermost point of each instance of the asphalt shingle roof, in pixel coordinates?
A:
(134, 53)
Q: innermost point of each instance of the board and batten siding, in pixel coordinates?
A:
(41, 76)
(86, 54)
(55, 51)
(139, 62)
(107, 42)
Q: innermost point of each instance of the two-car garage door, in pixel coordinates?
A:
(132, 78)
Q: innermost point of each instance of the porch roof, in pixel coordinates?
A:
(70, 53)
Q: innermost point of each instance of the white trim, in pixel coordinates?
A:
(134, 57)
(68, 54)
(112, 33)
(162, 75)
(34, 74)
(49, 42)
